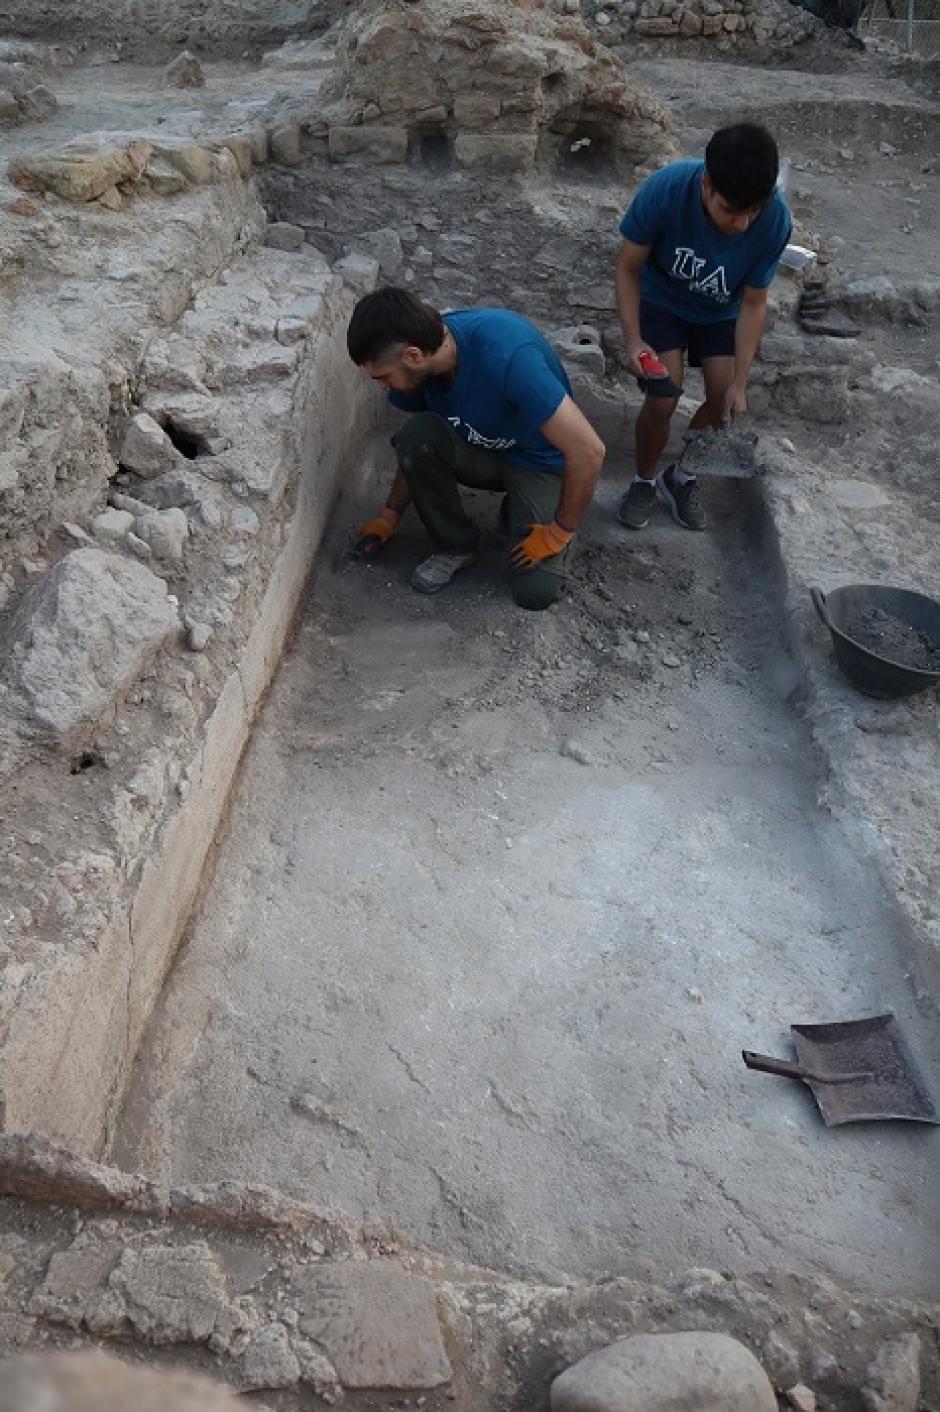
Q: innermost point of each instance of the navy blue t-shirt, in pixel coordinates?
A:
(508, 383)
(694, 270)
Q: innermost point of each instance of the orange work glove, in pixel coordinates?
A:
(542, 542)
(371, 537)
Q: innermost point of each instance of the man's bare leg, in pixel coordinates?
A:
(652, 424)
(719, 375)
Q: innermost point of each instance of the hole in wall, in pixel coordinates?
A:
(434, 151)
(186, 442)
(86, 760)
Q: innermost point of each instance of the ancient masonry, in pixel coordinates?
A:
(178, 417)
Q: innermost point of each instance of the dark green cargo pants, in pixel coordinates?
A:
(435, 460)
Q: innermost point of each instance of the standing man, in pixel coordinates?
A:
(701, 242)
(492, 409)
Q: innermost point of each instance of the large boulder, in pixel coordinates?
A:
(96, 1382)
(82, 637)
(509, 84)
(666, 1373)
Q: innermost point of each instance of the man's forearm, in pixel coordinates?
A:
(627, 291)
(399, 496)
(747, 332)
(577, 489)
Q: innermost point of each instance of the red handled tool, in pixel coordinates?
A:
(656, 381)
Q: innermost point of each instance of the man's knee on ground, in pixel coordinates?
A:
(535, 590)
(423, 438)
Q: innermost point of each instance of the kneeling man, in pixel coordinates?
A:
(492, 409)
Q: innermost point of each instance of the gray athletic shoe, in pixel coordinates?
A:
(682, 499)
(437, 571)
(634, 509)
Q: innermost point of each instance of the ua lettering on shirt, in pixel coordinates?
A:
(694, 270)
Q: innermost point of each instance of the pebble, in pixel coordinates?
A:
(669, 659)
(642, 636)
(695, 995)
(801, 1397)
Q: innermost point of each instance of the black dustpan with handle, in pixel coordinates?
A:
(858, 1070)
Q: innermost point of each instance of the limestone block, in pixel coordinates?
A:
(360, 272)
(281, 235)
(580, 346)
(497, 152)
(284, 146)
(259, 146)
(166, 532)
(666, 1373)
(476, 110)
(96, 1382)
(690, 25)
(193, 161)
(379, 144)
(664, 25)
(145, 447)
(81, 173)
(731, 23)
(185, 71)
(711, 25)
(83, 635)
(376, 1322)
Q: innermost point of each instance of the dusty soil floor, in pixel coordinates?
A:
(501, 899)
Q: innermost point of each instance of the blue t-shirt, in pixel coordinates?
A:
(694, 270)
(508, 383)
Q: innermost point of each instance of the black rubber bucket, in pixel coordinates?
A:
(844, 609)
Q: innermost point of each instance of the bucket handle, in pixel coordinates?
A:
(768, 1064)
(819, 603)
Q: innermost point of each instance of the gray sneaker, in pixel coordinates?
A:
(682, 499)
(634, 509)
(437, 571)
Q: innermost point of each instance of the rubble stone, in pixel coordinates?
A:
(360, 272)
(281, 235)
(174, 1294)
(893, 1379)
(268, 1361)
(665, 1372)
(383, 245)
(165, 531)
(83, 635)
(376, 1322)
(112, 525)
(146, 449)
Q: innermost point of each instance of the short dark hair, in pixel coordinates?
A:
(743, 163)
(389, 317)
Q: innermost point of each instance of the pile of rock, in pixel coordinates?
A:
(502, 88)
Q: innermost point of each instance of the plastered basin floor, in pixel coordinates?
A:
(501, 898)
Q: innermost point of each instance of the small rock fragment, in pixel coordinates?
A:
(111, 525)
(268, 1361)
(801, 1397)
(166, 531)
(893, 1379)
(284, 146)
(669, 659)
(185, 71)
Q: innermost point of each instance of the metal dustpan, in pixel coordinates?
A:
(726, 452)
(858, 1070)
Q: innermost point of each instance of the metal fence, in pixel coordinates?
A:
(912, 24)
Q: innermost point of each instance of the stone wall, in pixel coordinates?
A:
(500, 88)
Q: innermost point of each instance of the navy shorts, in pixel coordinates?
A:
(665, 332)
